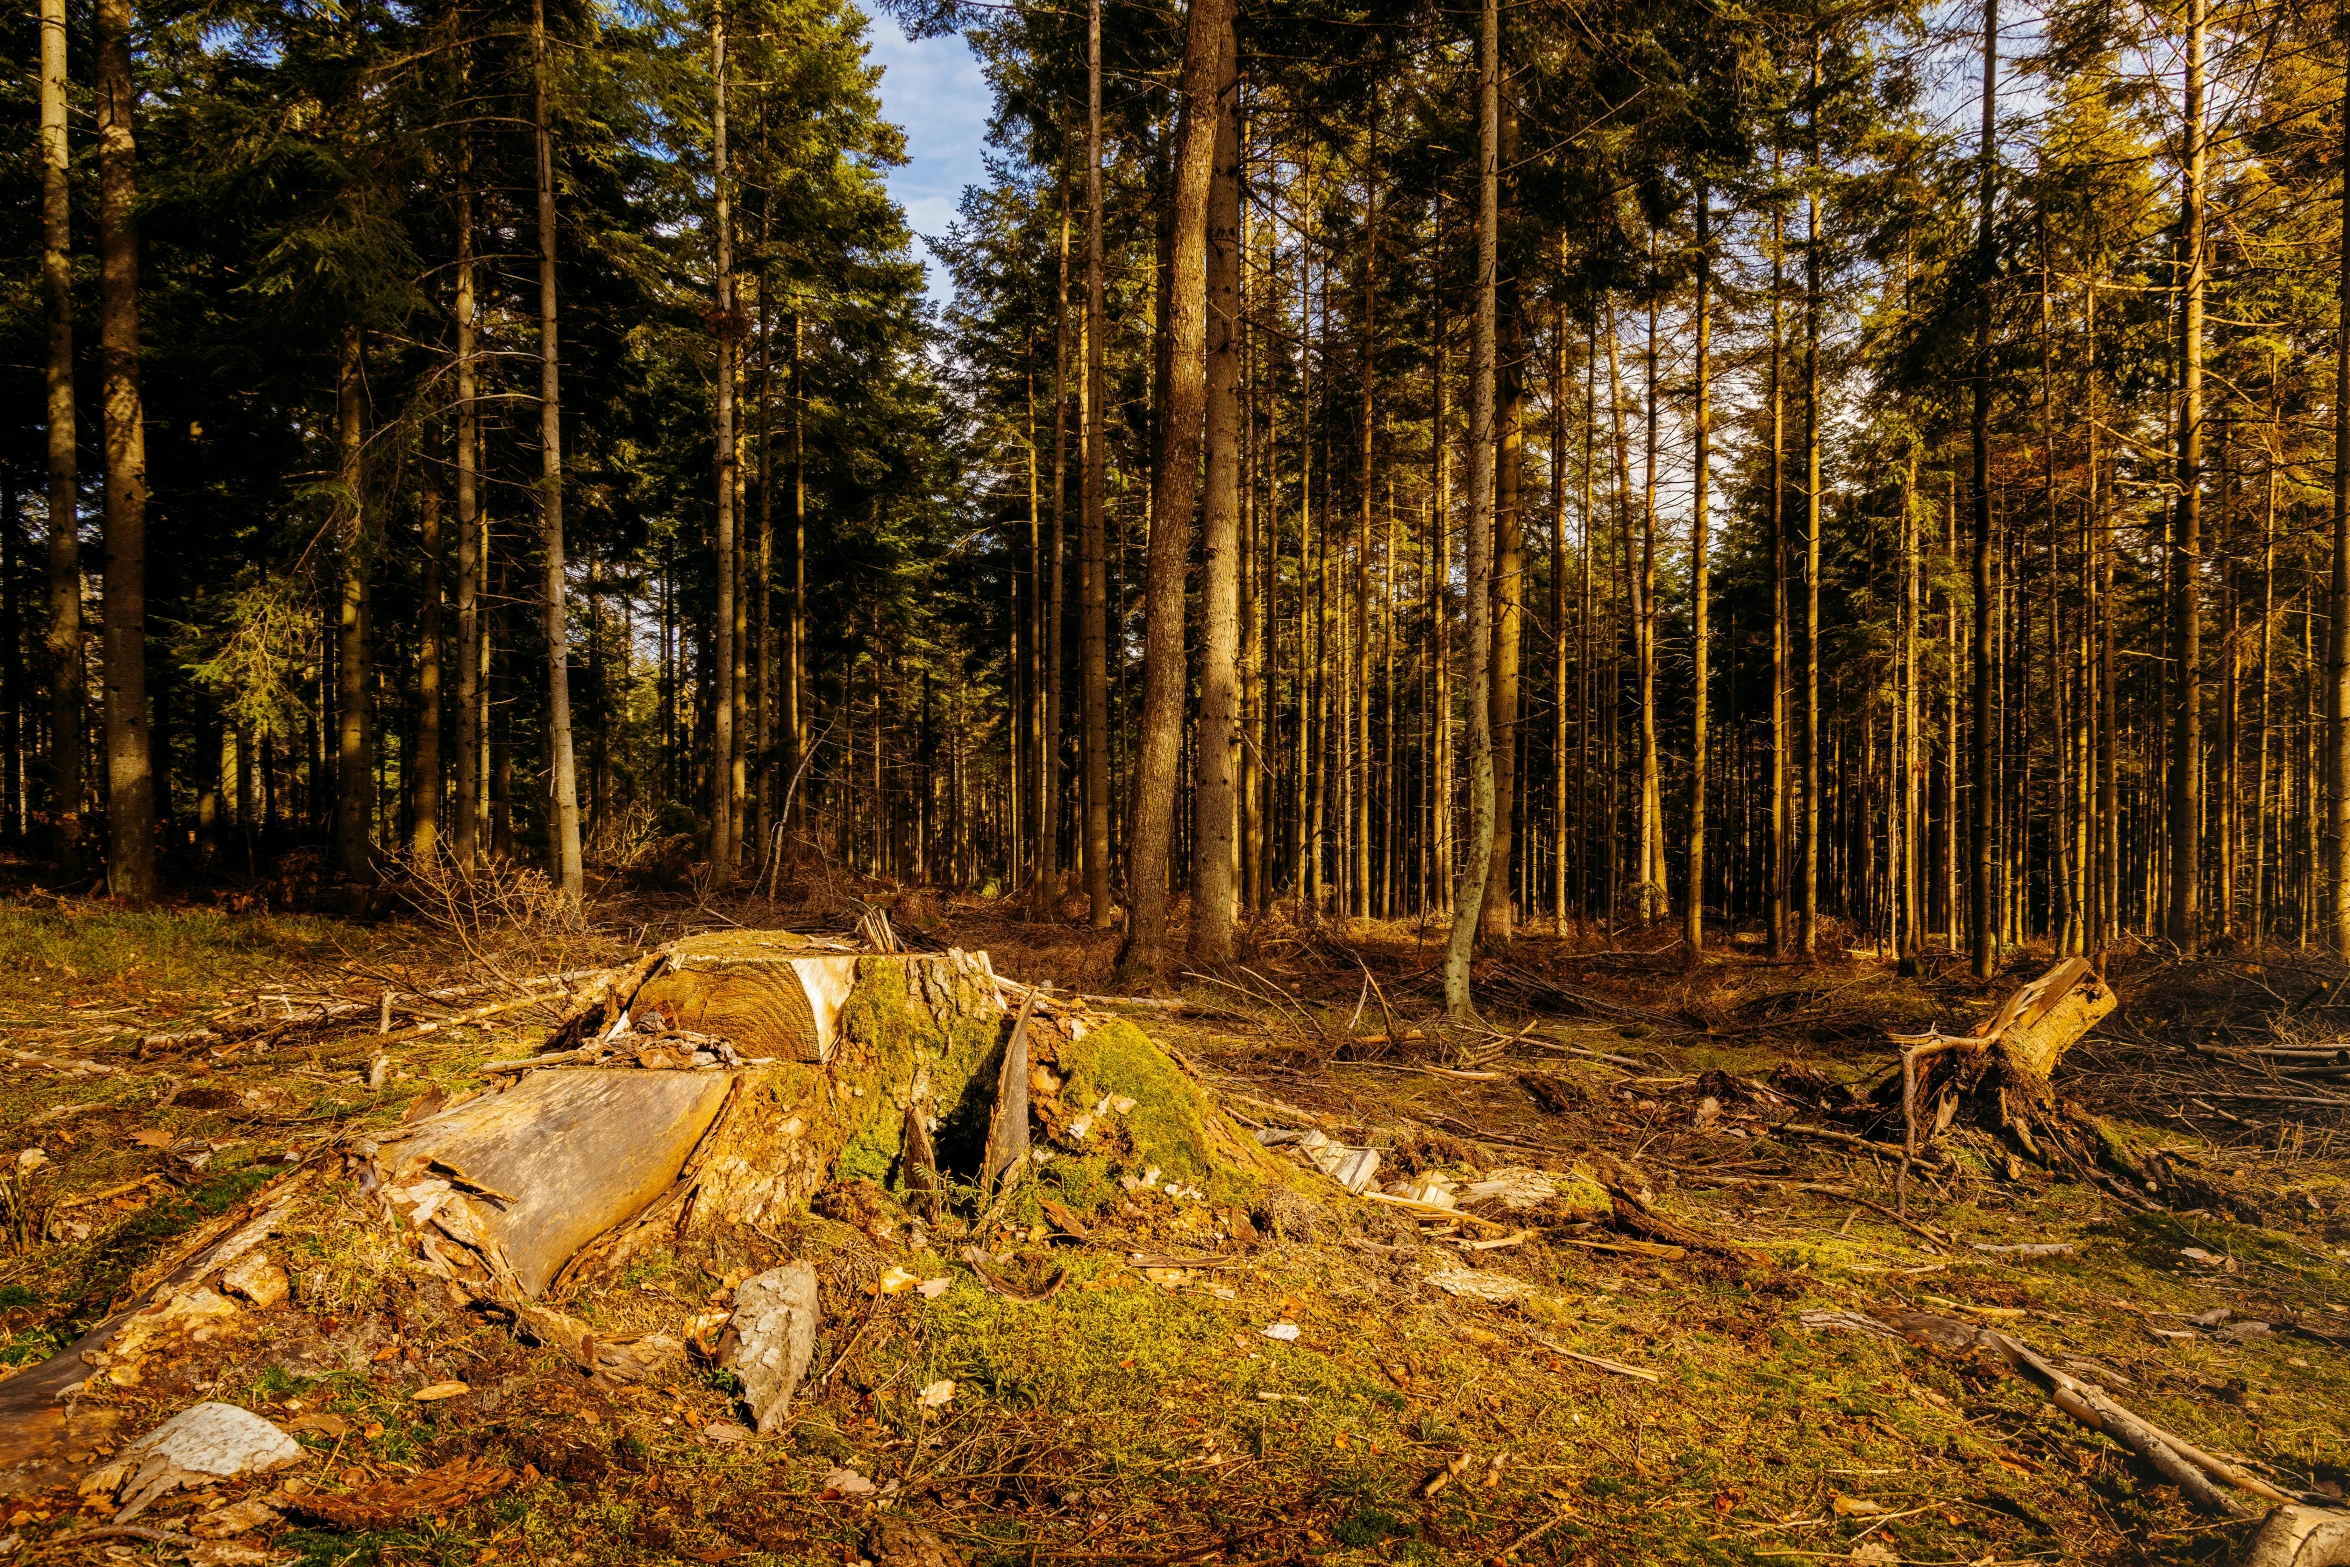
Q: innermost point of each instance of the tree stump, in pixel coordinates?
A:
(1998, 1073)
(573, 1170)
(773, 993)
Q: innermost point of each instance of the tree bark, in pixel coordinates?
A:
(130, 776)
(1986, 937)
(354, 748)
(1477, 863)
(1048, 750)
(569, 872)
(467, 822)
(724, 851)
(68, 701)
(2186, 791)
(763, 575)
(1775, 874)
(1509, 539)
(1174, 487)
(1093, 535)
(424, 839)
(1808, 913)
(1559, 645)
(1214, 855)
(796, 705)
(1649, 818)
(1693, 914)
(2338, 595)
(1359, 874)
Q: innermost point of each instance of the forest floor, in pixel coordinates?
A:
(1612, 1401)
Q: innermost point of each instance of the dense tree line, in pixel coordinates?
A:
(416, 330)
(1842, 475)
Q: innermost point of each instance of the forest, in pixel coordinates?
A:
(1557, 782)
(1866, 476)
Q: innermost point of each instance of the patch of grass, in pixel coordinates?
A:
(159, 948)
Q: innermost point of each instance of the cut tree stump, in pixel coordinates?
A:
(1997, 1074)
(531, 1193)
(775, 994)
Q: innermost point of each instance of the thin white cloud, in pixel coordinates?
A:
(935, 92)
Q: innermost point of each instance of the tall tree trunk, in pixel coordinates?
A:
(763, 571)
(724, 851)
(1048, 750)
(1361, 775)
(1174, 488)
(1776, 872)
(1477, 863)
(68, 701)
(797, 704)
(1986, 936)
(1222, 559)
(130, 776)
(1509, 539)
(1559, 706)
(1808, 914)
(424, 840)
(1093, 590)
(1693, 914)
(1649, 817)
(2338, 595)
(470, 771)
(1255, 593)
(2186, 791)
(354, 739)
(568, 870)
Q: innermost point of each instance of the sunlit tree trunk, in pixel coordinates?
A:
(424, 839)
(1214, 857)
(1093, 535)
(1174, 488)
(1359, 878)
(724, 808)
(354, 747)
(2338, 593)
(68, 700)
(2184, 925)
(1693, 915)
(130, 776)
(1808, 908)
(470, 772)
(568, 870)
(1477, 863)
(1509, 546)
(1979, 908)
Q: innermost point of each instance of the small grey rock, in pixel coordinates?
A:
(771, 1339)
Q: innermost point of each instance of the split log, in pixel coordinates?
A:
(534, 1174)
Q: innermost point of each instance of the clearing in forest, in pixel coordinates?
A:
(747, 1239)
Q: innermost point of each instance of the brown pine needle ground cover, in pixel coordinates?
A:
(1141, 1412)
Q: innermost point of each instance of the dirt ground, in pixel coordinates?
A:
(1358, 1382)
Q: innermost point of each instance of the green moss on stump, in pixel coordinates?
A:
(1168, 1124)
